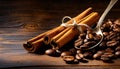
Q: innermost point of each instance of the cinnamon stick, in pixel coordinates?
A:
(55, 38)
(34, 44)
(48, 36)
(73, 32)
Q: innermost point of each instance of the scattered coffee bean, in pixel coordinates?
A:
(79, 56)
(117, 48)
(88, 55)
(117, 53)
(50, 52)
(66, 53)
(68, 59)
(117, 22)
(109, 50)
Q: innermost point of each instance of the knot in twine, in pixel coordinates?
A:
(74, 24)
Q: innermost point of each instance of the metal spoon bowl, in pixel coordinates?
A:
(97, 29)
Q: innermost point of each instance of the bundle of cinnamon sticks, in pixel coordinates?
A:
(59, 36)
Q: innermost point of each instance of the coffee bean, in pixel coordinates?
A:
(105, 59)
(109, 55)
(79, 56)
(84, 47)
(50, 52)
(117, 53)
(117, 22)
(106, 27)
(112, 43)
(68, 59)
(109, 50)
(116, 30)
(89, 36)
(66, 53)
(86, 40)
(97, 56)
(88, 55)
(103, 45)
(77, 44)
(101, 52)
(117, 48)
(79, 51)
(73, 51)
(90, 43)
(82, 36)
(105, 33)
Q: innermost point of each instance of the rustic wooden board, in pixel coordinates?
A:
(21, 20)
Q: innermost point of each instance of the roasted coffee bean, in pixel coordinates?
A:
(84, 47)
(116, 30)
(105, 59)
(117, 39)
(68, 59)
(109, 50)
(50, 52)
(109, 55)
(82, 36)
(66, 53)
(117, 53)
(97, 56)
(88, 55)
(86, 40)
(89, 36)
(106, 27)
(105, 33)
(77, 44)
(90, 43)
(103, 45)
(73, 51)
(117, 48)
(112, 43)
(79, 51)
(117, 22)
(110, 36)
(97, 38)
(79, 56)
(101, 52)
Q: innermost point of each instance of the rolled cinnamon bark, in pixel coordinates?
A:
(55, 38)
(33, 45)
(73, 32)
(50, 35)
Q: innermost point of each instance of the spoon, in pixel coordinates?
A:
(97, 29)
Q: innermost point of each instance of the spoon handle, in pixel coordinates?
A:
(111, 4)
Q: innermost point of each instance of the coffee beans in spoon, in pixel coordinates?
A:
(108, 49)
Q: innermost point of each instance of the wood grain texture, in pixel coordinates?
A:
(21, 20)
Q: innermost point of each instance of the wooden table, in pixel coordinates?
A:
(21, 20)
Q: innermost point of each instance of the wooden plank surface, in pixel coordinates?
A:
(21, 20)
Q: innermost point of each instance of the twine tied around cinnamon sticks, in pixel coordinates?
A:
(74, 24)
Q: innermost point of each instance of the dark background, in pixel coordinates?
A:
(48, 12)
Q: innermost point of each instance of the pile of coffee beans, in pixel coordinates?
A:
(106, 51)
